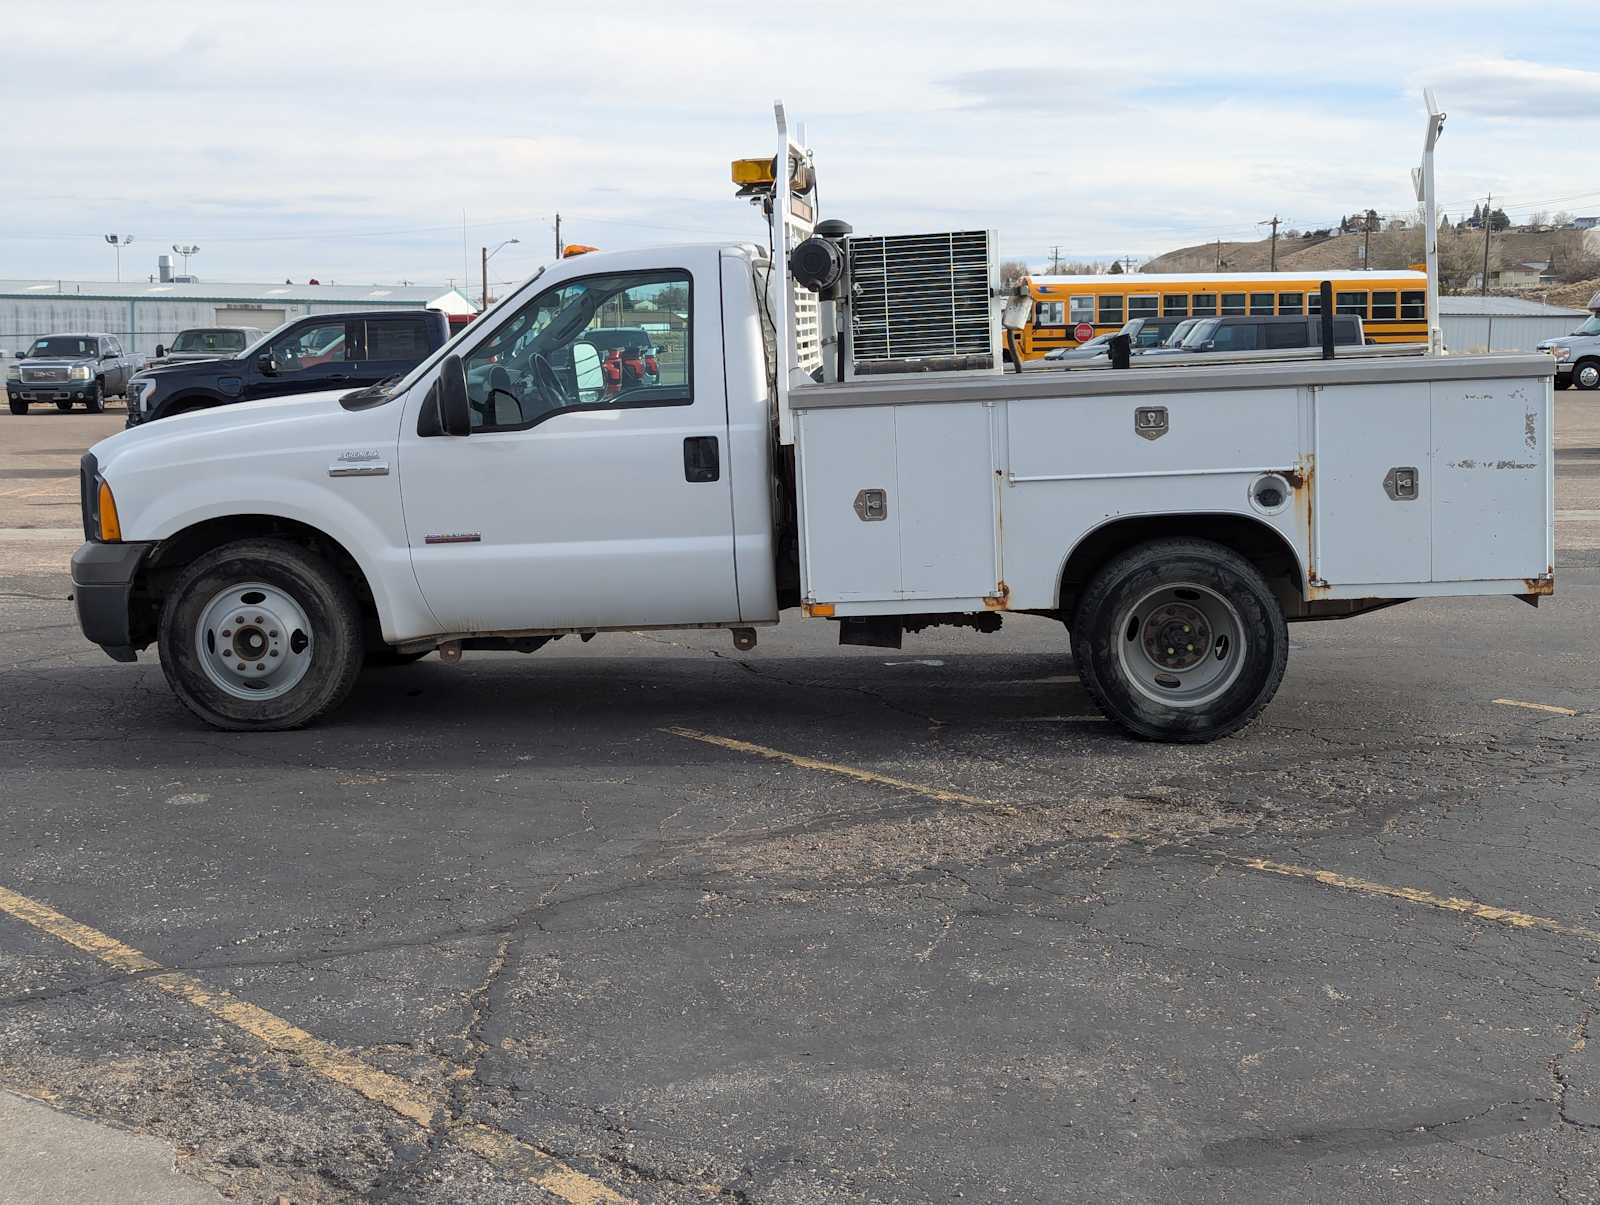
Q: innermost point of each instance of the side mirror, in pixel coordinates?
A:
(160, 351)
(586, 368)
(455, 412)
(266, 365)
(108, 355)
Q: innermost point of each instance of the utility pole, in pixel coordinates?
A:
(1366, 241)
(558, 236)
(485, 302)
(1055, 261)
(1274, 222)
(1483, 286)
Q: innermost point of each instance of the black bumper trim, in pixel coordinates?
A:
(102, 587)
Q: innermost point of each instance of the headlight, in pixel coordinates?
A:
(78, 372)
(13, 372)
(1561, 353)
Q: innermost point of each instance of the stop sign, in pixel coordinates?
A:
(1083, 332)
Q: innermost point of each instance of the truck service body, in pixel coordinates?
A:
(1174, 518)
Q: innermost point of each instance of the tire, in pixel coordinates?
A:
(1586, 374)
(1161, 591)
(64, 406)
(97, 399)
(307, 614)
(17, 405)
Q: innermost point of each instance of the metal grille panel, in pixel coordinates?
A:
(921, 295)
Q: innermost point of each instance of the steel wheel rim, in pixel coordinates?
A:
(253, 641)
(1181, 645)
(1589, 376)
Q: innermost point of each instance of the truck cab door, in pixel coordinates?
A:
(584, 496)
(311, 356)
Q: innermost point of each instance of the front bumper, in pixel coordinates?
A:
(102, 588)
(50, 391)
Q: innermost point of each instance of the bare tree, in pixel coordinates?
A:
(1571, 257)
(1012, 271)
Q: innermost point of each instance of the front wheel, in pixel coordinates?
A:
(96, 401)
(261, 635)
(1586, 374)
(18, 406)
(63, 406)
(1180, 640)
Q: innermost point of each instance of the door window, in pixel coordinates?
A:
(1236, 337)
(310, 346)
(1286, 334)
(396, 339)
(597, 343)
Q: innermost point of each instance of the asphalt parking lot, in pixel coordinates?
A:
(650, 920)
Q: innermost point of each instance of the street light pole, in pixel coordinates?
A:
(487, 256)
(119, 241)
(186, 250)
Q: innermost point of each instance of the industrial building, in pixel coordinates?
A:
(147, 312)
(1483, 324)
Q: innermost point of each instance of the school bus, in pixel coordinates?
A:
(1391, 305)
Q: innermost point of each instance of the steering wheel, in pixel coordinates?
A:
(550, 387)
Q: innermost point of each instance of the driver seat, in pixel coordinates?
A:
(504, 408)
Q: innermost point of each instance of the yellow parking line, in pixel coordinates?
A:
(828, 767)
(326, 1060)
(1415, 895)
(1550, 707)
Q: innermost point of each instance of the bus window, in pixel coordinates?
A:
(1350, 303)
(1261, 304)
(1205, 305)
(1232, 303)
(1082, 309)
(1383, 305)
(1142, 307)
(1413, 305)
(1314, 302)
(1175, 305)
(1110, 309)
(1047, 313)
(1291, 303)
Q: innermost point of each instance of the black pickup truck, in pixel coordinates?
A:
(70, 368)
(321, 351)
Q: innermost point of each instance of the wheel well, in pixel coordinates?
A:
(1263, 546)
(170, 556)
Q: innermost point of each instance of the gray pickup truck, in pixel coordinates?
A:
(68, 368)
(205, 343)
(1577, 356)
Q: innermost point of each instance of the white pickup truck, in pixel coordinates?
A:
(864, 461)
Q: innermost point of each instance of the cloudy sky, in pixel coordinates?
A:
(345, 140)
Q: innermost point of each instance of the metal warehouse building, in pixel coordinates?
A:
(1479, 324)
(145, 313)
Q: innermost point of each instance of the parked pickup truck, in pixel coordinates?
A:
(1577, 355)
(70, 368)
(347, 351)
(205, 343)
(502, 495)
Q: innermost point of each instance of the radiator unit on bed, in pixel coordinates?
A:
(922, 303)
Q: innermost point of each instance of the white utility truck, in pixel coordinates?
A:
(824, 426)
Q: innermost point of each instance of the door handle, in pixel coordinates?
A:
(339, 376)
(701, 460)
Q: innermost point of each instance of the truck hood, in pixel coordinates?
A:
(284, 424)
(193, 370)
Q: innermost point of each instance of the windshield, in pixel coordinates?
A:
(1202, 333)
(1180, 333)
(1591, 327)
(63, 345)
(216, 343)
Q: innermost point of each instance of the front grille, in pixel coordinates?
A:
(43, 374)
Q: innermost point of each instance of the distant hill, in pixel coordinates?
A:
(1390, 249)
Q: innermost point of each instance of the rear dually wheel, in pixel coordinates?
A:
(1180, 640)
